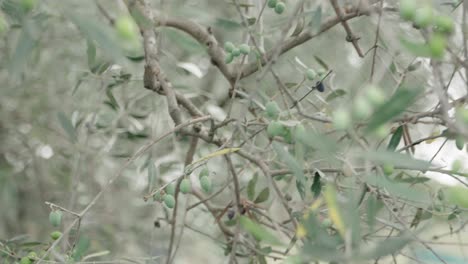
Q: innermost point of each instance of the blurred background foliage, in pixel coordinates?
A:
(73, 109)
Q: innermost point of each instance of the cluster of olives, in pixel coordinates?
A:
(30, 258)
(277, 129)
(232, 51)
(362, 108)
(311, 75)
(279, 6)
(185, 187)
(424, 17)
(55, 219)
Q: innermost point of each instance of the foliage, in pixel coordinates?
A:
(300, 131)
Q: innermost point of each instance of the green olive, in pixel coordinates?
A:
(204, 172)
(236, 52)
(55, 235)
(444, 24)
(157, 197)
(244, 49)
(375, 95)
(229, 58)
(229, 46)
(126, 28)
(423, 16)
(55, 218)
(460, 142)
(326, 223)
(275, 128)
(32, 255)
(272, 109)
(361, 108)
(170, 189)
(310, 74)
(408, 9)
(25, 260)
(205, 183)
(288, 136)
(185, 186)
(300, 133)
(321, 73)
(341, 119)
(437, 45)
(272, 3)
(388, 169)
(279, 8)
(169, 201)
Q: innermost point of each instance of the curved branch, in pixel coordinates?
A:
(204, 37)
(300, 39)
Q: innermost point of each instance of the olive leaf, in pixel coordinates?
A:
(251, 187)
(263, 196)
(395, 140)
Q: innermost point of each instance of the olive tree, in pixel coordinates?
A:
(243, 131)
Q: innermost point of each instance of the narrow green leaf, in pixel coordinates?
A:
(251, 187)
(414, 180)
(290, 161)
(316, 186)
(321, 62)
(396, 105)
(414, 66)
(81, 248)
(228, 24)
(388, 246)
(112, 100)
(91, 53)
(417, 49)
(335, 94)
(100, 67)
(393, 68)
(395, 140)
(67, 126)
(258, 231)
(135, 58)
(263, 196)
(79, 82)
(417, 218)
(300, 189)
(396, 159)
(261, 259)
(334, 211)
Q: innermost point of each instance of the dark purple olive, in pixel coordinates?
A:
(231, 214)
(320, 87)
